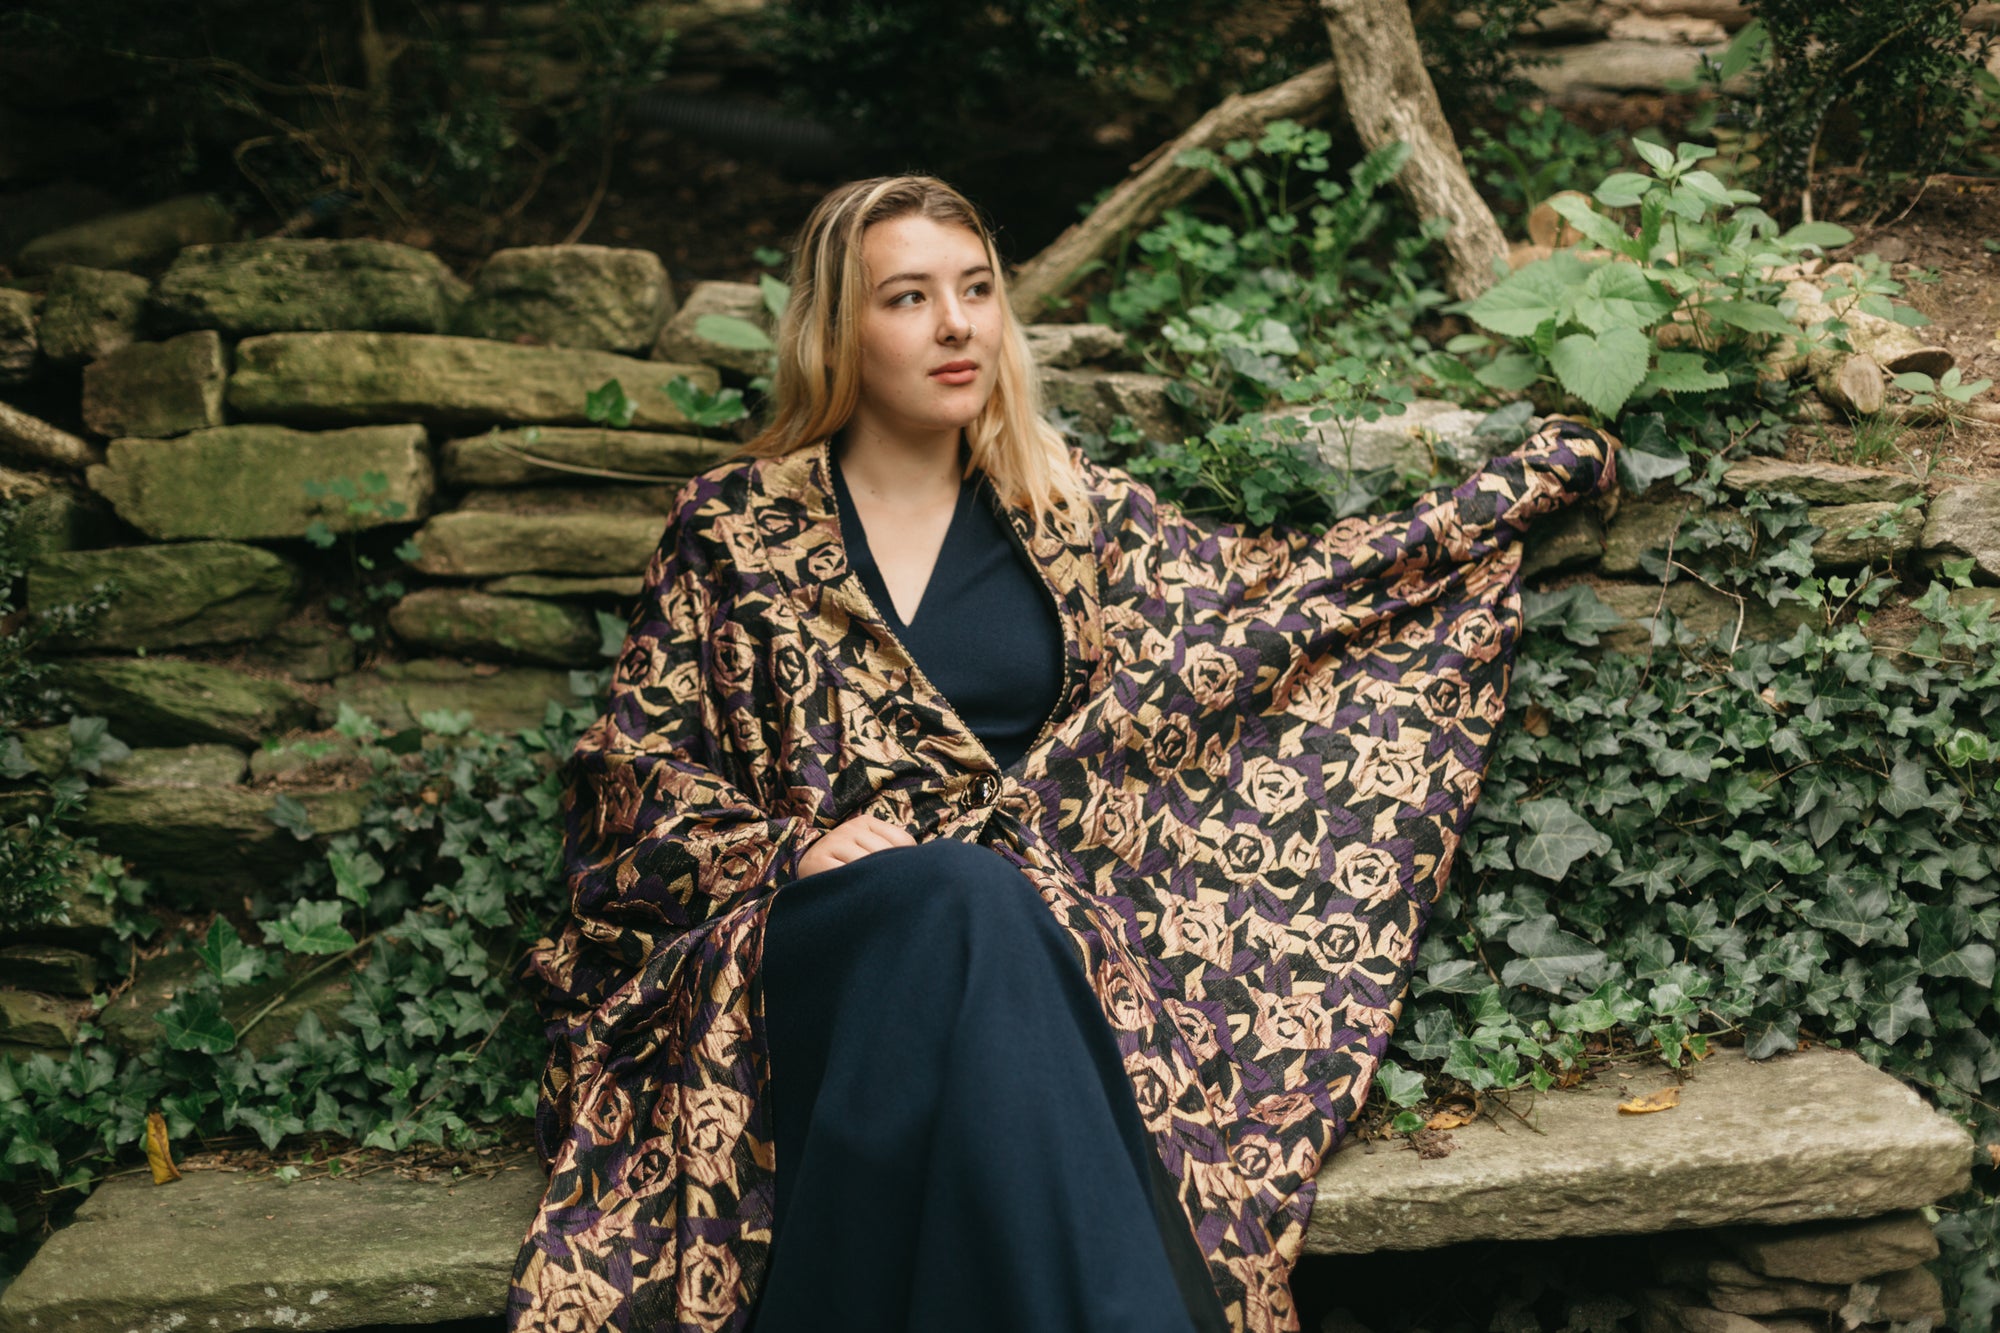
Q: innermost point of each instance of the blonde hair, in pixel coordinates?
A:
(818, 381)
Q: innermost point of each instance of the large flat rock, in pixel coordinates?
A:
(355, 378)
(1802, 1137)
(230, 1252)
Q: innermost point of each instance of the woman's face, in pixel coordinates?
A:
(928, 320)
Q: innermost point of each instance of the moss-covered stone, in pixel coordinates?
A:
(129, 1021)
(20, 343)
(471, 545)
(136, 239)
(1964, 520)
(397, 694)
(1835, 549)
(53, 516)
(89, 313)
(560, 588)
(307, 651)
(212, 842)
(155, 389)
(1708, 614)
(50, 968)
(250, 482)
(169, 596)
(158, 701)
(1573, 538)
(1651, 525)
(595, 296)
(507, 629)
(340, 378)
(508, 457)
(1821, 483)
(179, 766)
(282, 285)
(30, 1019)
(654, 501)
(682, 339)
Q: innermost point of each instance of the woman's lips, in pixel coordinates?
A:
(956, 372)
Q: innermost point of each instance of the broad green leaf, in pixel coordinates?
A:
(1523, 301)
(1623, 189)
(1620, 296)
(1510, 372)
(1403, 1087)
(291, 816)
(1602, 369)
(1826, 235)
(1549, 955)
(1751, 317)
(1683, 372)
(1591, 224)
(195, 1023)
(228, 959)
(731, 331)
(314, 927)
(1555, 838)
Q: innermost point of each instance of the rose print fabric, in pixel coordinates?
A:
(1240, 813)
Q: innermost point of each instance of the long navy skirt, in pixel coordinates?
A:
(957, 1143)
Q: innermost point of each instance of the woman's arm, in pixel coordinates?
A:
(654, 834)
(1153, 555)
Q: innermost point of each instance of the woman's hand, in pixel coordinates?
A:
(850, 840)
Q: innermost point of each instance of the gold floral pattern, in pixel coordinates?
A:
(1266, 752)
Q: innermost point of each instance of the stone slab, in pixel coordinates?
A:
(319, 1254)
(134, 239)
(1821, 483)
(681, 338)
(169, 596)
(1750, 1143)
(156, 389)
(355, 378)
(90, 312)
(569, 455)
(488, 545)
(282, 284)
(159, 701)
(397, 694)
(251, 482)
(600, 296)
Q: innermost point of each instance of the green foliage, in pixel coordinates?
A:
(25, 698)
(1537, 152)
(397, 111)
(1893, 90)
(1241, 309)
(1683, 307)
(426, 909)
(361, 502)
(725, 407)
(38, 858)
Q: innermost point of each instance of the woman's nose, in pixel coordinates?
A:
(955, 325)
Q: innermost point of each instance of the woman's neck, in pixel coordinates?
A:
(899, 472)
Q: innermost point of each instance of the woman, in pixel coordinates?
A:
(819, 1057)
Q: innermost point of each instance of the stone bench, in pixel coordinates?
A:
(1787, 1183)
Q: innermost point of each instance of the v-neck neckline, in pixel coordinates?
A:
(863, 555)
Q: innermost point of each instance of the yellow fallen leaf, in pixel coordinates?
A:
(1449, 1120)
(1663, 1099)
(1993, 1152)
(159, 1155)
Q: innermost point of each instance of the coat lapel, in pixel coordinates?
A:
(798, 520)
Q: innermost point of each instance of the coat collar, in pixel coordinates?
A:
(798, 520)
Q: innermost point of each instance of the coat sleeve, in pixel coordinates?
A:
(660, 829)
(1155, 557)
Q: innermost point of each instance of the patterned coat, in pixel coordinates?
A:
(1265, 753)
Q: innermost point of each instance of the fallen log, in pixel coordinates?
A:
(1156, 184)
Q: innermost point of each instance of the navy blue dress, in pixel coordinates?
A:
(958, 1148)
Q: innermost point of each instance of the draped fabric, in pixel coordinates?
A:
(1241, 812)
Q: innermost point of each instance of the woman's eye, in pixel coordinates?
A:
(980, 289)
(898, 300)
